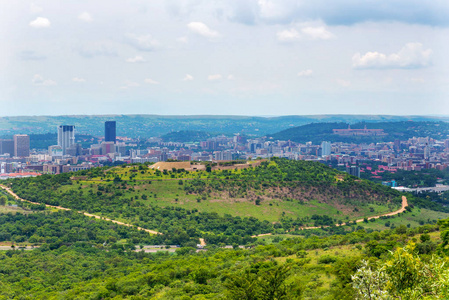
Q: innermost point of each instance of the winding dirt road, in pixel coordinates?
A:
(402, 209)
(84, 213)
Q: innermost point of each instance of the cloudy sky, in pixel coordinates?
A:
(238, 57)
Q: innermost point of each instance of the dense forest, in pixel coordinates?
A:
(80, 266)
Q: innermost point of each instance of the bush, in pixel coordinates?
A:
(327, 259)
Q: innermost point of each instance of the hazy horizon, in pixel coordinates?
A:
(229, 115)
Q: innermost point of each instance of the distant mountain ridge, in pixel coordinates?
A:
(318, 132)
(157, 125)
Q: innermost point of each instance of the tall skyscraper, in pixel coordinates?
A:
(325, 149)
(109, 131)
(21, 145)
(7, 146)
(66, 137)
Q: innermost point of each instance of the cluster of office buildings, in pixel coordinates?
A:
(68, 155)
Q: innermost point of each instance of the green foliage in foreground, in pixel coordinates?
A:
(296, 268)
(66, 228)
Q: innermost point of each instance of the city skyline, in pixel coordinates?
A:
(224, 58)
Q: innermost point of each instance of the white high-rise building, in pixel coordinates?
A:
(325, 149)
(66, 137)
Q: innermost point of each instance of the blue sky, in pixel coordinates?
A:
(237, 57)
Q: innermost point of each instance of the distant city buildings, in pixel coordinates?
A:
(371, 159)
(325, 149)
(66, 137)
(364, 132)
(110, 131)
(7, 147)
(21, 145)
(353, 170)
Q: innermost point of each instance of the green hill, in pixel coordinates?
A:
(145, 126)
(185, 136)
(222, 205)
(318, 132)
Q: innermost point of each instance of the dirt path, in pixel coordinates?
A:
(402, 209)
(84, 213)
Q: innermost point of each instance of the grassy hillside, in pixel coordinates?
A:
(222, 205)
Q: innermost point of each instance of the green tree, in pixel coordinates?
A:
(3, 200)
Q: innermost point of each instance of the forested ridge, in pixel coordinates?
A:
(403, 130)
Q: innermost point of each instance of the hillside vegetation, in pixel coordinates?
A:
(73, 265)
(222, 206)
(79, 257)
(318, 132)
(157, 125)
(184, 136)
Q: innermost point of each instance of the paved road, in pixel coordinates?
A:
(402, 209)
(84, 213)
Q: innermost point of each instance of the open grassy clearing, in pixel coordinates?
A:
(12, 209)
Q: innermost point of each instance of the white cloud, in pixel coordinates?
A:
(188, 77)
(343, 82)
(40, 22)
(231, 77)
(85, 17)
(305, 73)
(276, 10)
(306, 31)
(129, 84)
(289, 35)
(151, 81)
(343, 12)
(136, 59)
(202, 29)
(34, 9)
(38, 80)
(317, 33)
(412, 55)
(143, 42)
(214, 77)
(78, 79)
